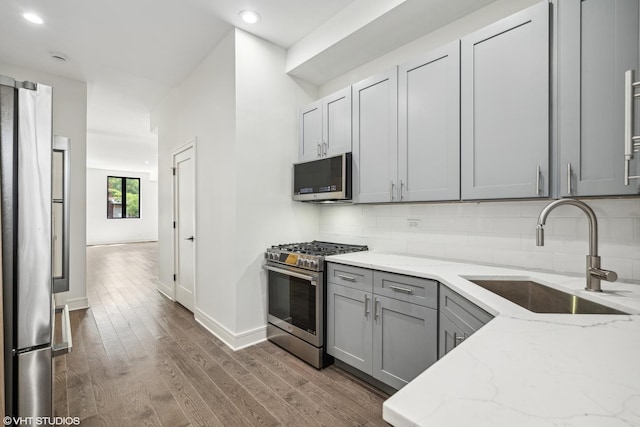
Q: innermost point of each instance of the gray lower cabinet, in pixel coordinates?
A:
(451, 334)
(597, 43)
(389, 339)
(504, 118)
(349, 326)
(404, 340)
(458, 318)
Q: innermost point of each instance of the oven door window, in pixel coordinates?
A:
(293, 301)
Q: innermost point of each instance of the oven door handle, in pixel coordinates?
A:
(312, 279)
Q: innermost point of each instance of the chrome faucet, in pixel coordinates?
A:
(594, 272)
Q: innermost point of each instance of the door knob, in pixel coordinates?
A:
(190, 238)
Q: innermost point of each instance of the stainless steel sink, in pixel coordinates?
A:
(543, 299)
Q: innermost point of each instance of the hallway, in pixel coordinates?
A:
(140, 359)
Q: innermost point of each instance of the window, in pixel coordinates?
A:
(123, 197)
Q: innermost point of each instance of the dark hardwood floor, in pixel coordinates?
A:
(140, 359)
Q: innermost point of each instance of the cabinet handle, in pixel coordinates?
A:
(401, 190)
(457, 339)
(319, 150)
(324, 148)
(538, 180)
(347, 278)
(393, 186)
(366, 306)
(568, 179)
(399, 289)
(631, 141)
(377, 308)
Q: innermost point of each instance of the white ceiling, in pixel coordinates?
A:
(132, 52)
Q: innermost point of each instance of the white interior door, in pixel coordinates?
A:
(185, 243)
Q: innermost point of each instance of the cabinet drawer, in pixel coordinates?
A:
(406, 288)
(461, 311)
(352, 277)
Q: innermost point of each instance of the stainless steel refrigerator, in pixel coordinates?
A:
(26, 155)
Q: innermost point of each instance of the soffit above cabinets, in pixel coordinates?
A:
(367, 29)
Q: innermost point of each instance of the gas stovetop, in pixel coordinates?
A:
(308, 255)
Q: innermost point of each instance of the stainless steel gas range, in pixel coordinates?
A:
(297, 297)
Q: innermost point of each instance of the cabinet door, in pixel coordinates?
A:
(405, 340)
(451, 334)
(461, 310)
(459, 318)
(349, 328)
(505, 108)
(336, 123)
(310, 132)
(429, 126)
(375, 139)
(598, 42)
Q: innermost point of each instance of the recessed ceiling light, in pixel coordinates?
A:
(146, 162)
(249, 16)
(32, 17)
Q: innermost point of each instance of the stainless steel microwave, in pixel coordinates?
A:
(327, 179)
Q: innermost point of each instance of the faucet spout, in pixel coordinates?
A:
(593, 222)
(539, 235)
(594, 273)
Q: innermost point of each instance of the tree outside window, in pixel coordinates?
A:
(123, 197)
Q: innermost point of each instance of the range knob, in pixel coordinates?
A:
(313, 263)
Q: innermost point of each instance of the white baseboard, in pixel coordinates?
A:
(77, 303)
(121, 241)
(234, 341)
(167, 291)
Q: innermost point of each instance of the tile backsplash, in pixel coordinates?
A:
(499, 233)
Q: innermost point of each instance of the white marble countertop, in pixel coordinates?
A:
(522, 368)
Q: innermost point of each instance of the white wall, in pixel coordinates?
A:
(102, 230)
(266, 148)
(203, 107)
(70, 120)
(240, 106)
(501, 233)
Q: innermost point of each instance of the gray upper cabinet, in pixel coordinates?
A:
(375, 138)
(597, 43)
(505, 108)
(325, 127)
(336, 123)
(405, 340)
(310, 132)
(429, 126)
